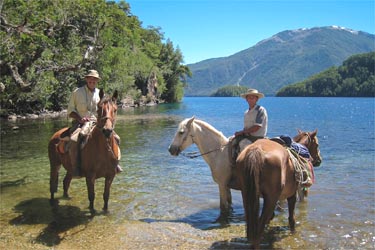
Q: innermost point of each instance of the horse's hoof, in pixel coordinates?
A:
(92, 211)
(66, 197)
(222, 219)
(53, 202)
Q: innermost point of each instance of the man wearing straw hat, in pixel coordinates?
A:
(82, 108)
(255, 121)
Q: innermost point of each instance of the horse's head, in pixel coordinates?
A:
(183, 137)
(107, 111)
(310, 140)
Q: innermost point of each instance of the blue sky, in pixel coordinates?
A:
(205, 29)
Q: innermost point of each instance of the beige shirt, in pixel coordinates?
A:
(84, 102)
(257, 116)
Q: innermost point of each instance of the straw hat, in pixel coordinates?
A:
(93, 73)
(252, 92)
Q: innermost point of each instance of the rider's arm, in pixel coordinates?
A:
(250, 130)
(78, 118)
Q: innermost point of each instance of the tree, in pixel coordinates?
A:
(354, 78)
(48, 45)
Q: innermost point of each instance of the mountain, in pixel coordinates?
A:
(287, 57)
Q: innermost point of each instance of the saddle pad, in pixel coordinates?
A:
(60, 147)
(301, 150)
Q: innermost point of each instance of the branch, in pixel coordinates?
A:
(17, 77)
(21, 28)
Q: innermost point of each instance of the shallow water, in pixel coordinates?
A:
(174, 199)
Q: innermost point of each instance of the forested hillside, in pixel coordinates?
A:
(48, 45)
(354, 78)
(285, 58)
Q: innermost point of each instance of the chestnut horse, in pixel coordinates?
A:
(99, 156)
(265, 169)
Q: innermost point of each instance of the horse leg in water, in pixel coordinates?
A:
(66, 184)
(291, 206)
(90, 183)
(107, 190)
(225, 202)
(55, 165)
(53, 180)
(269, 205)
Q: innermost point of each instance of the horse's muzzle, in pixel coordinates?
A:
(317, 163)
(174, 150)
(107, 132)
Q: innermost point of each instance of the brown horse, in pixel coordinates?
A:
(99, 156)
(265, 169)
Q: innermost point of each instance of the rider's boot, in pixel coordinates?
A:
(118, 169)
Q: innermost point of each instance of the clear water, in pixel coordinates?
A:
(338, 214)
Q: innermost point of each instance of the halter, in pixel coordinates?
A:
(308, 137)
(196, 154)
(104, 118)
(309, 141)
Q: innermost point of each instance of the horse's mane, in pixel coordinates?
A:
(299, 136)
(212, 129)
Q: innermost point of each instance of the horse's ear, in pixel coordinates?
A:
(190, 121)
(115, 96)
(299, 131)
(101, 93)
(313, 134)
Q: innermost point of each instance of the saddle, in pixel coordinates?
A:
(81, 136)
(300, 156)
(235, 146)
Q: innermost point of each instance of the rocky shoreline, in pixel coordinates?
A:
(47, 114)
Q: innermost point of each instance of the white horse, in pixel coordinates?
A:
(215, 150)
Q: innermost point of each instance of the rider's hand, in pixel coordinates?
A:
(238, 133)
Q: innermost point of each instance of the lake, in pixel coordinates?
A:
(175, 197)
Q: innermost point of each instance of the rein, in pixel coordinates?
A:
(109, 147)
(196, 154)
(108, 140)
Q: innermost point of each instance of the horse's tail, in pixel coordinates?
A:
(251, 170)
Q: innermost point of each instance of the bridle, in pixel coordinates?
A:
(104, 118)
(196, 154)
(309, 140)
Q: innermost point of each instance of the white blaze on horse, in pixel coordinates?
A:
(214, 148)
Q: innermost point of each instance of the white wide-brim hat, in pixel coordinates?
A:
(93, 73)
(252, 92)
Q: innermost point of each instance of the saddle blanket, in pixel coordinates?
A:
(299, 148)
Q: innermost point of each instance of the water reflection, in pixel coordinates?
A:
(157, 188)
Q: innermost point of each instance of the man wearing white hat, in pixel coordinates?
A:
(82, 108)
(83, 101)
(255, 120)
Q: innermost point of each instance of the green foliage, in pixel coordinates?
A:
(48, 45)
(230, 90)
(354, 78)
